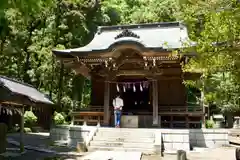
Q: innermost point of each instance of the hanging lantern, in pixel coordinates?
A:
(141, 88)
(117, 88)
(134, 88)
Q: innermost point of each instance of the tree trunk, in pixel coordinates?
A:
(2, 45)
(26, 77)
(60, 80)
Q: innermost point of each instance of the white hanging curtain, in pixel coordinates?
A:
(134, 88)
(117, 88)
(124, 88)
(141, 88)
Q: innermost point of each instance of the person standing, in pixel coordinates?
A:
(118, 105)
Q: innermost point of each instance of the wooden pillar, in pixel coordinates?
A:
(22, 130)
(155, 102)
(187, 121)
(203, 109)
(202, 104)
(171, 121)
(106, 102)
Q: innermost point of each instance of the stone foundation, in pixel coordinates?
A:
(185, 139)
(173, 139)
(60, 133)
(209, 138)
(72, 135)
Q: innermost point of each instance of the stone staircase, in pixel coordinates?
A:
(123, 139)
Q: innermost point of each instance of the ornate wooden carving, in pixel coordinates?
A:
(127, 33)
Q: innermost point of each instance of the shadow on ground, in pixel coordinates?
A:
(41, 140)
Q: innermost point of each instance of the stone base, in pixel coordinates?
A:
(81, 147)
(129, 121)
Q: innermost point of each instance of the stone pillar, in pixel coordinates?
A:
(155, 102)
(236, 123)
(106, 102)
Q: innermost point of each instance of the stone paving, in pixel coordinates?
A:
(224, 153)
(113, 155)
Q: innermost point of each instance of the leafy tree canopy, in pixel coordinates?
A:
(30, 29)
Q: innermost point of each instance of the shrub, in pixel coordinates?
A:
(29, 119)
(27, 130)
(209, 124)
(58, 118)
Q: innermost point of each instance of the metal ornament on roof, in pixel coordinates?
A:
(127, 33)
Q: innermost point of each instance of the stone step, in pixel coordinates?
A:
(109, 130)
(125, 134)
(101, 148)
(122, 144)
(128, 139)
(127, 129)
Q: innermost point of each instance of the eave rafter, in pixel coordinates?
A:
(110, 66)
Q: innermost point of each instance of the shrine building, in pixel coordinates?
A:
(138, 62)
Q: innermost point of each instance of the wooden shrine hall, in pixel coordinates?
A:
(138, 62)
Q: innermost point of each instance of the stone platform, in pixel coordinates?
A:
(140, 139)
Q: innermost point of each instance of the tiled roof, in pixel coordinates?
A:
(27, 90)
(171, 35)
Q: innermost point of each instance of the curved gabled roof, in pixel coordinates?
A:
(167, 35)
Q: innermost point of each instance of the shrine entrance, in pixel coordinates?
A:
(136, 95)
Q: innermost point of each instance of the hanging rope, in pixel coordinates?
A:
(131, 83)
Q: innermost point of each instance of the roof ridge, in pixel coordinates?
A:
(142, 25)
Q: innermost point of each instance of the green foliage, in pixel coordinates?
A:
(29, 119)
(30, 29)
(27, 130)
(59, 118)
(209, 124)
(214, 25)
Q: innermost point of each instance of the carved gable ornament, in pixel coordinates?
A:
(127, 33)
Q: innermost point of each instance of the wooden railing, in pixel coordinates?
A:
(192, 108)
(179, 109)
(95, 114)
(88, 117)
